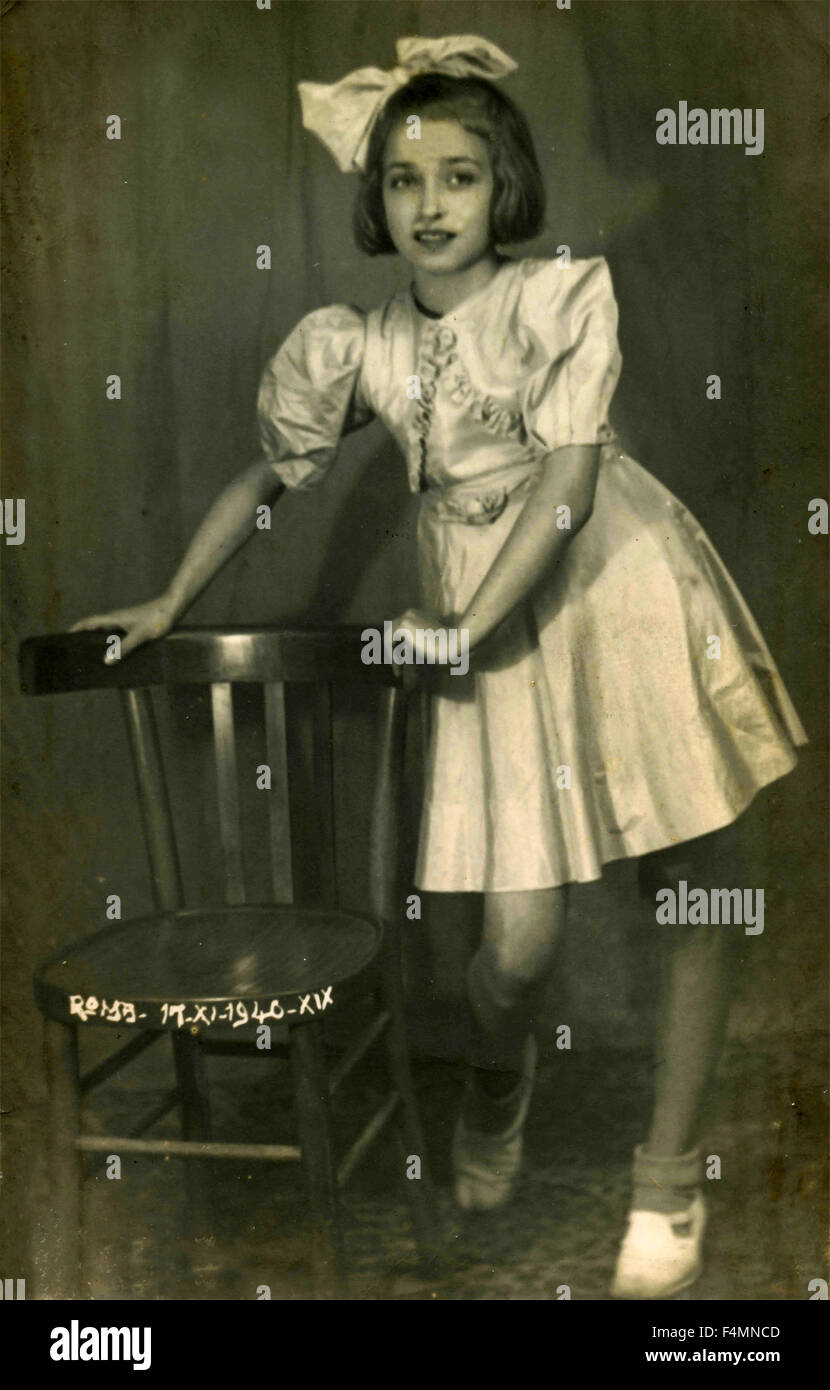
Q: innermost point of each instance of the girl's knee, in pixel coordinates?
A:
(521, 931)
(514, 967)
(511, 973)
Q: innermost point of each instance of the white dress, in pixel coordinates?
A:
(599, 721)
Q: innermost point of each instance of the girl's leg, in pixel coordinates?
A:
(692, 1013)
(520, 936)
(661, 1250)
(694, 1006)
(521, 932)
(504, 980)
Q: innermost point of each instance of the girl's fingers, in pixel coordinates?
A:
(138, 625)
(98, 620)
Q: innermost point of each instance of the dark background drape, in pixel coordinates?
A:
(138, 257)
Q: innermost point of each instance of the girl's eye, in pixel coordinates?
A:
(460, 178)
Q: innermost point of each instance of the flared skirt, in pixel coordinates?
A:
(630, 703)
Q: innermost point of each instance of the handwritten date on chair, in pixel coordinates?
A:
(234, 1012)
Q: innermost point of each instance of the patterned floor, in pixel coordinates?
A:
(558, 1238)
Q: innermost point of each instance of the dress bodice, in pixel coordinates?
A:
(474, 399)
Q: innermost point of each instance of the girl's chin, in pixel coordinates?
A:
(445, 260)
(426, 254)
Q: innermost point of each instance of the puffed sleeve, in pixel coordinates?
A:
(571, 313)
(309, 394)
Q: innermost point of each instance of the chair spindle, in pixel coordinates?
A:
(153, 799)
(383, 850)
(324, 792)
(224, 740)
(279, 811)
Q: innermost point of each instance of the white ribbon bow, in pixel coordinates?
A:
(342, 115)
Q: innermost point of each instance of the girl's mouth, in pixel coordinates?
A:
(434, 241)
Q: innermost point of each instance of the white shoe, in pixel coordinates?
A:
(661, 1252)
(486, 1166)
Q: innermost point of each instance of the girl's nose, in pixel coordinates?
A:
(431, 199)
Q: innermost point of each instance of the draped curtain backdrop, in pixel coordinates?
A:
(138, 257)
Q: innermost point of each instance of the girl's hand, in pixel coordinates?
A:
(414, 622)
(440, 648)
(408, 674)
(141, 624)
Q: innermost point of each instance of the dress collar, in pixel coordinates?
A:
(465, 303)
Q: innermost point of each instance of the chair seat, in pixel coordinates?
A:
(202, 971)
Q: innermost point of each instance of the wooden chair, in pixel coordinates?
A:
(209, 978)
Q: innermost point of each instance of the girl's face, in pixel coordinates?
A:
(436, 195)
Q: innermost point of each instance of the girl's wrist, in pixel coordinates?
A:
(171, 607)
(474, 630)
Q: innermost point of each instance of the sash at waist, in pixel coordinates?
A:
(477, 504)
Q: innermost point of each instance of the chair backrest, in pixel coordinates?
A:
(299, 759)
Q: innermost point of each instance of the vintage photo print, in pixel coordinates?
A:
(414, 538)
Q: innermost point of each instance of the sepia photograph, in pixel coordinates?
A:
(415, 659)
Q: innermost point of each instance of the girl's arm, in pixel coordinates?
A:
(228, 524)
(536, 543)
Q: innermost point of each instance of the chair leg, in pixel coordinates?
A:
(314, 1126)
(191, 1078)
(65, 1162)
(420, 1191)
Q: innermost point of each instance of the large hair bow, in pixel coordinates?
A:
(342, 115)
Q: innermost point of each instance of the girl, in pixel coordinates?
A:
(587, 592)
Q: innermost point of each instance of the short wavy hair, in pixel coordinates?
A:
(517, 208)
